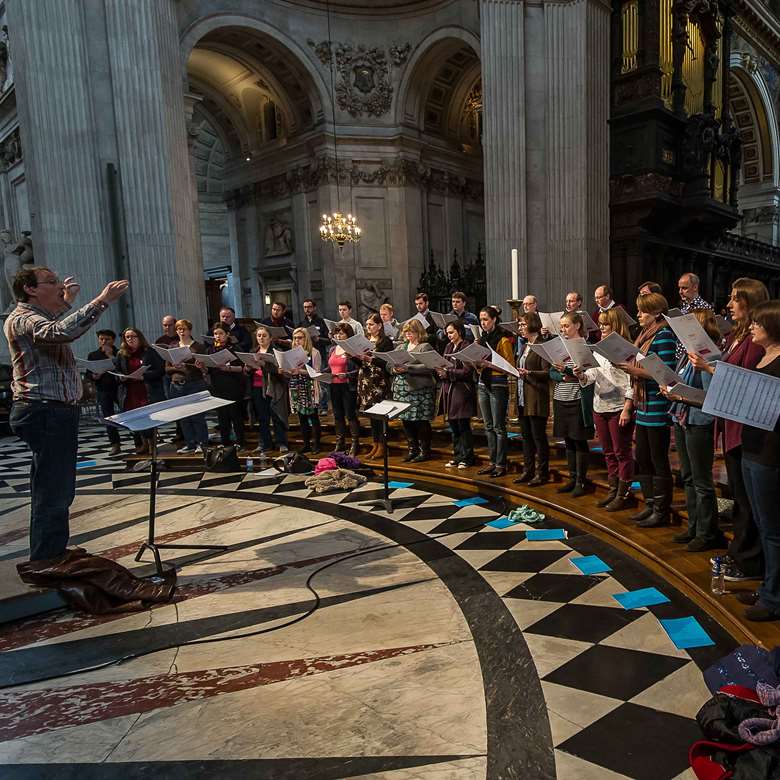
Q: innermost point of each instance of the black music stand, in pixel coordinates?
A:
(384, 411)
(150, 418)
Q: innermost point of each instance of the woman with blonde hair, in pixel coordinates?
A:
(613, 414)
(573, 410)
(414, 384)
(653, 423)
(745, 557)
(305, 392)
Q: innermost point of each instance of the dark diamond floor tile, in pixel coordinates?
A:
(253, 482)
(457, 525)
(439, 512)
(524, 560)
(637, 742)
(582, 622)
(219, 481)
(613, 671)
(553, 587)
(291, 485)
(492, 540)
(363, 495)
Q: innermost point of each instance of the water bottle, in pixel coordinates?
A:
(718, 585)
(250, 465)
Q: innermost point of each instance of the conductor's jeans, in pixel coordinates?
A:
(50, 430)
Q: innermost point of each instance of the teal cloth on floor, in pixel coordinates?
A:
(645, 597)
(471, 501)
(86, 464)
(398, 485)
(590, 564)
(686, 632)
(545, 534)
(501, 522)
(513, 435)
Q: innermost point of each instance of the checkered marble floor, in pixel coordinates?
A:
(619, 696)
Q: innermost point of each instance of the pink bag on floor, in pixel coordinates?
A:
(325, 464)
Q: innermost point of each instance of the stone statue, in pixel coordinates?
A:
(277, 239)
(13, 259)
(370, 298)
(5, 55)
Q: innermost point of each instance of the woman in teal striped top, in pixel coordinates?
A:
(653, 422)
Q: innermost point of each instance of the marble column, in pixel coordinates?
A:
(502, 35)
(98, 83)
(545, 75)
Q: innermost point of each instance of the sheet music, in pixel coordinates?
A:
(587, 320)
(658, 370)
(510, 327)
(553, 351)
(221, 358)
(137, 374)
(356, 346)
(442, 320)
(674, 313)
(389, 408)
(747, 397)
(502, 365)
(390, 330)
(616, 349)
(276, 333)
(314, 332)
(432, 359)
(476, 331)
(724, 326)
(330, 324)
(320, 376)
(551, 322)
(580, 353)
(398, 357)
(693, 337)
(249, 359)
(694, 395)
(96, 366)
(624, 315)
(292, 358)
(174, 355)
(472, 355)
(265, 357)
(154, 415)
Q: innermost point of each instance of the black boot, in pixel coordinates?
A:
(582, 475)
(542, 473)
(622, 497)
(646, 483)
(340, 438)
(317, 436)
(306, 435)
(613, 491)
(662, 503)
(425, 445)
(571, 459)
(354, 432)
(414, 450)
(529, 471)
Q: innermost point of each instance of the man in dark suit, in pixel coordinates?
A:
(279, 319)
(434, 336)
(106, 386)
(240, 335)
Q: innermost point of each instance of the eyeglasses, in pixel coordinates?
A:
(54, 281)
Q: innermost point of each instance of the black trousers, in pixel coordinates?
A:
(229, 416)
(535, 442)
(107, 404)
(745, 548)
(652, 451)
(344, 402)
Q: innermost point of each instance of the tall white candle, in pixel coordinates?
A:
(515, 276)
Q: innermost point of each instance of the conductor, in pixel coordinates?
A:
(46, 391)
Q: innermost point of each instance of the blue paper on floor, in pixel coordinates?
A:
(86, 464)
(545, 534)
(590, 564)
(399, 485)
(500, 522)
(471, 501)
(646, 597)
(635, 486)
(686, 632)
(513, 435)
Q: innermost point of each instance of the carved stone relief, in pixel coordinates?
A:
(278, 236)
(364, 85)
(371, 295)
(10, 150)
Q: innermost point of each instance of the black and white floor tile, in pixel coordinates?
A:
(447, 649)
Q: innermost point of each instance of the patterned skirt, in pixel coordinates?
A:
(422, 401)
(302, 395)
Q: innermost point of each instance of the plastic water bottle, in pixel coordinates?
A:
(250, 465)
(718, 585)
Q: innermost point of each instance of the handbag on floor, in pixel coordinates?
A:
(221, 459)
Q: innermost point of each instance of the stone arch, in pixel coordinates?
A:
(423, 68)
(754, 115)
(277, 40)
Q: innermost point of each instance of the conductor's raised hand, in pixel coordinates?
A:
(72, 288)
(113, 290)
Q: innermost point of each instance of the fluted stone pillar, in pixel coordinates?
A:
(545, 76)
(98, 82)
(503, 140)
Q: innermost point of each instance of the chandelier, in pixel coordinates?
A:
(335, 227)
(339, 228)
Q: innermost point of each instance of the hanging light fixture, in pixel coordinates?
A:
(337, 227)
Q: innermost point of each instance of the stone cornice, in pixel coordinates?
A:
(757, 24)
